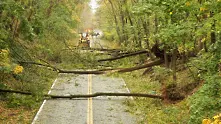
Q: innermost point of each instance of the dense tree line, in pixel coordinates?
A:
(32, 29)
(174, 31)
(36, 31)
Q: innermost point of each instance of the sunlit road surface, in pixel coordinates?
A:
(99, 110)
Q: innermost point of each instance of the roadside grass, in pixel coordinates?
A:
(15, 108)
(18, 115)
(155, 111)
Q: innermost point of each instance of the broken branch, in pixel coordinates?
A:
(123, 56)
(103, 71)
(88, 95)
(108, 94)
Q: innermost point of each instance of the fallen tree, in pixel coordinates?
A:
(15, 91)
(40, 64)
(109, 94)
(150, 64)
(122, 70)
(88, 95)
(103, 71)
(96, 49)
(123, 56)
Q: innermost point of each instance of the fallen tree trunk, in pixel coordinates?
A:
(109, 94)
(97, 49)
(157, 62)
(84, 72)
(123, 56)
(36, 63)
(15, 91)
(122, 70)
(88, 95)
(103, 71)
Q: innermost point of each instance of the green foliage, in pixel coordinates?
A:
(150, 110)
(206, 102)
(161, 72)
(4, 58)
(21, 100)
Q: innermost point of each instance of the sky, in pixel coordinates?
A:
(94, 5)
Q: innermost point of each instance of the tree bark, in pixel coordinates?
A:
(157, 62)
(174, 57)
(87, 95)
(213, 34)
(96, 49)
(123, 56)
(104, 71)
(115, 20)
(15, 91)
(109, 94)
(166, 59)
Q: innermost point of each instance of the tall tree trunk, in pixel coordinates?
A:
(174, 58)
(122, 18)
(166, 59)
(213, 28)
(135, 38)
(212, 34)
(115, 20)
(156, 27)
(146, 32)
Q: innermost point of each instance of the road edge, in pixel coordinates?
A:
(43, 103)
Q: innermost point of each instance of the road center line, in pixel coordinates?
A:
(90, 108)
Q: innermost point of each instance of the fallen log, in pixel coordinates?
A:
(103, 71)
(87, 95)
(83, 72)
(123, 56)
(96, 49)
(15, 91)
(157, 62)
(109, 94)
(41, 64)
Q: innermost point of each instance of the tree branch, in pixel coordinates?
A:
(108, 94)
(88, 95)
(123, 56)
(15, 91)
(157, 62)
(97, 49)
(103, 71)
(41, 64)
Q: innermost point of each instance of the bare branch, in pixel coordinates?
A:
(88, 95)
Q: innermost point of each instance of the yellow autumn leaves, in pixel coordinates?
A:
(187, 3)
(216, 120)
(18, 69)
(202, 9)
(4, 57)
(6, 63)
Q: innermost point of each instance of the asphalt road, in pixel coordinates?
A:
(99, 110)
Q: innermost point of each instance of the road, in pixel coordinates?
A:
(99, 110)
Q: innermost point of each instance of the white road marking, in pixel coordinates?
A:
(42, 105)
(127, 89)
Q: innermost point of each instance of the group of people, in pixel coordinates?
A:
(85, 38)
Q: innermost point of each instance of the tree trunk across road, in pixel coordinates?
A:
(99, 110)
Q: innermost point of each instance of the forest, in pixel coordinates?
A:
(168, 48)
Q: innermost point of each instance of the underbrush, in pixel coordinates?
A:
(198, 83)
(153, 111)
(34, 79)
(77, 59)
